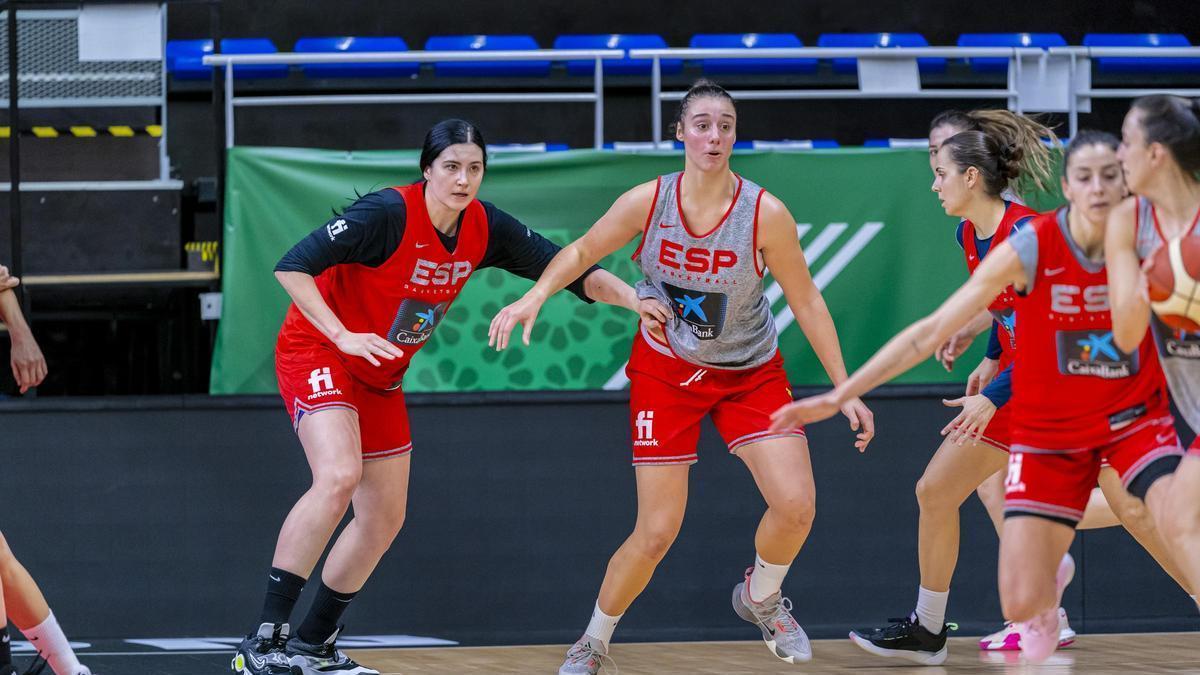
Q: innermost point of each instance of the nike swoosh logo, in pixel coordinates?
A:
(422, 245)
(1165, 437)
(1056, 270)
(666, 225)
(274, 578)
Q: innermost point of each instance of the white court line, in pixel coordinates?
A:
(834, 267)
(811, 254)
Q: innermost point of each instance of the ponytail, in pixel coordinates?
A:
(1008, 151)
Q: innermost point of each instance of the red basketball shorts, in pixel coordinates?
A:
(669, 397)
(1056, 484)
(313, 380)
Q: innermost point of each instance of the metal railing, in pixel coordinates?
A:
(595, 97)
(1057, 79)
(1082, 89)
(52, 73)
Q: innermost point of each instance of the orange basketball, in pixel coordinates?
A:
(1172, 276)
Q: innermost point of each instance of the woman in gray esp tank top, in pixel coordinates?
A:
(1160, 152)
(682, 249)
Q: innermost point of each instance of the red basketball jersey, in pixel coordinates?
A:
(403, 299)
(1072, 387)
(1002, 307)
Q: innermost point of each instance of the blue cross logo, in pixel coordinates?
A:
(689, 305)
(1101, 345)
(427, 316)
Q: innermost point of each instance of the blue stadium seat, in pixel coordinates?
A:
(1113, 64)
(990, 65)
(751, 41)
(485, 43)
(927, 65)
(184, 58)
(624, 66)
(332, 45)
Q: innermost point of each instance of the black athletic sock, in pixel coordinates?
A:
(323, 616)
(5, 647)
(283, 589)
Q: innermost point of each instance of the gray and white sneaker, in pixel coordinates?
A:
(262, 652)
(784, 637)
(310, 659)
(587, 657)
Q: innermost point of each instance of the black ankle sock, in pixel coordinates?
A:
(323, 616)
(283, 589)
(5, 647)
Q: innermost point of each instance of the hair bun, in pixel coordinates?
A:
(1010, 156)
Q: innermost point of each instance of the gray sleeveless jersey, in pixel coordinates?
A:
(1179, 350)
(713, 283)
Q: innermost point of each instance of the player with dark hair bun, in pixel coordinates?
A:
(368, 290)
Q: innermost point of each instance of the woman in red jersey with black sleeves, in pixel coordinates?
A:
(368, 290)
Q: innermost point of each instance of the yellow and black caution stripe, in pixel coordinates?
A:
(207, 250)
(83, 131)
(203, 255)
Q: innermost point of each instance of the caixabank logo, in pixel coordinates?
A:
(828, 250)
(1183, 344)
(415, 321)
(1092, 352)
(701, 311)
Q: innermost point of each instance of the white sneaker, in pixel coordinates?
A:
(784, 637)
(1008, 639)
(1066, 636)
(586, 657)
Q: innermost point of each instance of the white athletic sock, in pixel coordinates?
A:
(53, 646)
(931, 609)
(602, 625)
(766, 579)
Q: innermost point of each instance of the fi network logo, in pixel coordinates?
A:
(645, 428)
(321, 381)
(335, 228)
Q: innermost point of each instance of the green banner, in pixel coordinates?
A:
(878, 244)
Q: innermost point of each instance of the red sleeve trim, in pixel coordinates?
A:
(649, 216)
(754, 244)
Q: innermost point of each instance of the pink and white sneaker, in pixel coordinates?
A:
(1039, 636)
(1008, 639)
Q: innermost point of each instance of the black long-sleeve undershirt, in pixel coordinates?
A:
(370, 230)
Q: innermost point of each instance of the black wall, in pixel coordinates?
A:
(158, 517)
(941, 21)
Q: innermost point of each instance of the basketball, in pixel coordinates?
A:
(1172, 277)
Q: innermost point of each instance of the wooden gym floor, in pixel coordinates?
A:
(1091, 654)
